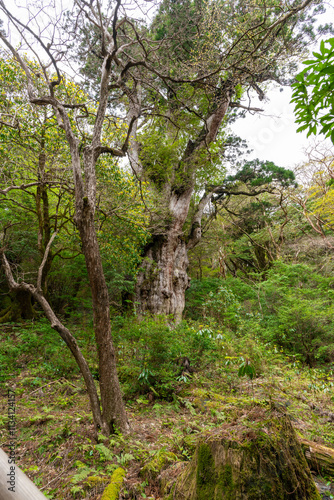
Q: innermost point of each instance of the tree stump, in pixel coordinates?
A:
(257, 458)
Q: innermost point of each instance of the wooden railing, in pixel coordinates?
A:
(14, 484)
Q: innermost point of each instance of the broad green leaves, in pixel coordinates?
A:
(34, 150)
(246, 368)
(314, 93)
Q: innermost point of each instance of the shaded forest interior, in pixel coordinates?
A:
(166, 299)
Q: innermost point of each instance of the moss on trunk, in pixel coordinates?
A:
(19, 308)
(258, 459)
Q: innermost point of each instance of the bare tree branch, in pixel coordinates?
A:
(41, 267)
(23, 186)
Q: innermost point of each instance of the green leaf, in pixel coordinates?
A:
(303, 127)
(250, 371)
(332, 136)
(309, 62)
(327, 71)
(241, 371)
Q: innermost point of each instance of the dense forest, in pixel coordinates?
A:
(166, 299)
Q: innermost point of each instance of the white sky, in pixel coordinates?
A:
(272, 135)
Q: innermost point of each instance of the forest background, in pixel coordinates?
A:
(140, 244)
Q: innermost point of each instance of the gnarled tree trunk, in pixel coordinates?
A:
(163, 280)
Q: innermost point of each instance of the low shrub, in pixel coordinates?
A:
(154, 357)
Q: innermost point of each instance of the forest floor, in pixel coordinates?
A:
(55, 443)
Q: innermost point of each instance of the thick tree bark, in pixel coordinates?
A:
(23, 298)
(162, 283)
(262, 460)
(19, 309)
(163, 279)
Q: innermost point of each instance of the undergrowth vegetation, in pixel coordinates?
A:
(292, 306)
(243, 344)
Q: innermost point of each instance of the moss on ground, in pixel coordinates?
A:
(114, 487)
(212, 399)
(154, 467)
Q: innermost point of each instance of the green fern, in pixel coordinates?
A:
(125, 458)
(80, 476)
(105, 453)
(75, 490)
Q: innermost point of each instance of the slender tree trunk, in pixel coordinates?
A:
(65, 335)
(113, 410)
(114, 414)
(78, 356)
(43, 214)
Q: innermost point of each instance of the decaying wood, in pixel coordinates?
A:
(320, 458)
(259, 458)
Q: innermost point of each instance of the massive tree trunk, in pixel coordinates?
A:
(19, 309)
(163, 279)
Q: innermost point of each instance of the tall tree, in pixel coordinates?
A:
(34, 171)
(184, 95)
(186, 71)
(217, 53)
(250, 213)
(35, 185)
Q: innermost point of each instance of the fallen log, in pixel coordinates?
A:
(320, 458)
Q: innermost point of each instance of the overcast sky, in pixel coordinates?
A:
(272, 134)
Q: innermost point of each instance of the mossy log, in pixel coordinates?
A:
(114, 487)
(259, 458)
(319, 457)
